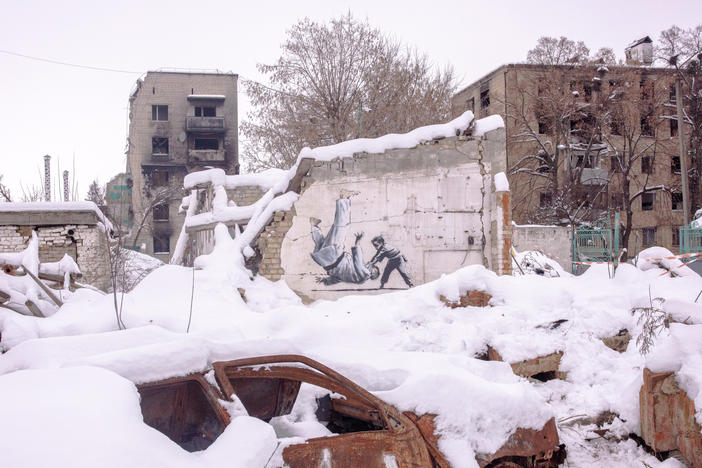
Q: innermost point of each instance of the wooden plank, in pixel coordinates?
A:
(211, 226)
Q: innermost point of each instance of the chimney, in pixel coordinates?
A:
(640, 52)
(47, 178)
(65, 186)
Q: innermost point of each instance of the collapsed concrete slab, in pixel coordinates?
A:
(540, 368)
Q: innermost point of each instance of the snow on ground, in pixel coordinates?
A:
(407, 347)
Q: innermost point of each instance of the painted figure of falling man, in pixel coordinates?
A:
(341, 266)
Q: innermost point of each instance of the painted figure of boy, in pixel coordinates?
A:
(396, 261)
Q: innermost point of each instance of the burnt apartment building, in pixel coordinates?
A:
(178, 123)
(592, 133)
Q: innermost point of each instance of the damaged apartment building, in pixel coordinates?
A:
(178, 122)
(591, 139)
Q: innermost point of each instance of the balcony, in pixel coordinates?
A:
(218, 155)
(205, 124)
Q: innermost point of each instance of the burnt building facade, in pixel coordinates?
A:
(178, 122)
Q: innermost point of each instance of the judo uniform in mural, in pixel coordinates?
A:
(329, 253)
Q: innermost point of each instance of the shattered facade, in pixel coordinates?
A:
(179, 122)
(513, 89)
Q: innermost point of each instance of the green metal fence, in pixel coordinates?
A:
(595, 245)
(690, 240)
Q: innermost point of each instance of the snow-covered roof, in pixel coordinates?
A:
(645, 39)
(55, 208)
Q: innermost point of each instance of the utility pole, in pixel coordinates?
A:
(681, 140)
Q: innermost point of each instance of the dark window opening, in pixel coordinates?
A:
(159, 112)
(485, 99)
(205, 111)
(545, 200)
(161, 212)
(159, 179)
(671, 94)
(676, 200)
(647, 200)
(206, 144)
(544, 127)
(675, 166)
(646, 127)
(615, 127)
(159, 145)
(162, 243)
(647, 164)
(673, 127)
(617, 200)
(648, 236)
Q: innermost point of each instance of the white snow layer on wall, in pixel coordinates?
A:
(501, 183)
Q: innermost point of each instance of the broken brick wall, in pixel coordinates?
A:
(436, 204)
(554, 241)
(84, 243)
(246, 194)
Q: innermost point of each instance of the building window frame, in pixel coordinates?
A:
(159, 145)
(159, 112)
(648, 236)
(162, 243)
(648, 201)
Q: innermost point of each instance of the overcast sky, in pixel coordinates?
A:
(79, 114)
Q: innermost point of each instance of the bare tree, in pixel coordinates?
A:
(96, 193)
(552, 51)
(682, 49)
(155, 198)
(338, 81)
(558, 137)
(634, 117)
(32, 193)
(4, 191)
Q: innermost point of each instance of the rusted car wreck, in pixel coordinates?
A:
(368, 431)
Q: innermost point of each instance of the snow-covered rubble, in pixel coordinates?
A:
(407, 347)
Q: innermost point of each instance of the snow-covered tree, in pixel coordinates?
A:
(338, 81)
(96, 193)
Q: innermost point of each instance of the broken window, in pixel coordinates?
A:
(161, 212)
(159, 179)
(545, 200)
(159, 145)
(484, 99)
(617, 200)
(159, 112)
(647, 164)
(673, 127)
(206, 144)
(544, 127)
(671, 94)
(648, 235)
(205, 111)
(675, 167)
(646, 119)
(162, 243)
(676, 200)
(647, 200)
(615, 126)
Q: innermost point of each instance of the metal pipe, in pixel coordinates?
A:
(683, 162)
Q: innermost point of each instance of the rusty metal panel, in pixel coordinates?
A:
(186, 409)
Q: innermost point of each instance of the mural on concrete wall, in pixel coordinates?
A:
(341, 266)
